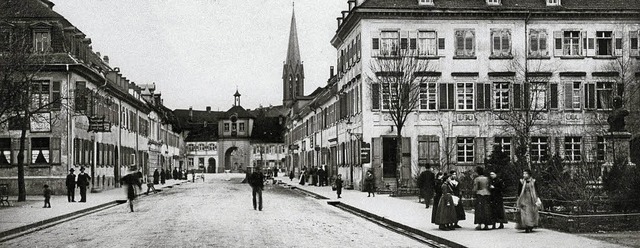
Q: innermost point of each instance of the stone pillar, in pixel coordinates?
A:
(619, 147)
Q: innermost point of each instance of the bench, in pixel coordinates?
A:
(4, 194)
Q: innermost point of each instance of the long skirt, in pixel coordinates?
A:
(483, 210)
(131, 192)
(497, 210)
(434, 210)
(460, 211)
(528, 212)
(302, 179)
(446, 213)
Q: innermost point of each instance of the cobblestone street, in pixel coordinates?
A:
(217, 213)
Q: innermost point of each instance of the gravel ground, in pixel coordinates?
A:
(217, 213)
(627, 238)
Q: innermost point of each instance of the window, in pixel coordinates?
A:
(389, 43)
(464, 96)
(501, 95)
(538, 96)
(553, 2)
(212, 146)
(241, 127)
(538, 149)
(604, 93)
(42, 40)
(234, 127)
(501, 43)
(190, 162)
(425, 2)
(493, 2)
(572, 149)
(40, 151)
(5, 151)
(601, 148)
(40, 92)
(465, 43)
(538, 43)
(504, 143)
(634, 38)
(604, 43)
(389, 95)
(428, 96)
(427, 43)
(571, 43)
(226, 127)
(201, 147)
(191, 147)
(465, 150)
(572, 97)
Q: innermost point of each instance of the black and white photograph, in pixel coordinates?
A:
(320, 123)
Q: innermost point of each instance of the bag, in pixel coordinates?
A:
(456, 200)
(539, 203)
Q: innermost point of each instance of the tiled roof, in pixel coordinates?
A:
(507, 4)
(26, 9)
(240, 111)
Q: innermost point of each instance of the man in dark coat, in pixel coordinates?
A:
(175, 174)
(163, 176)
(71, 186)
(427, 181)
(321, 176)
(156, 177)
(83, 182)
(256, 181)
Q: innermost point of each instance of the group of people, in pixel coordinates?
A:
(82, 182)
(448, 209)
(316, 175)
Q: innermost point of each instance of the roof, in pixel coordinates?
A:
(293, 50)
(27, 9)
(240, 111)
(507, 4)
(268, 126)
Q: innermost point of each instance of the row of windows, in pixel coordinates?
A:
(502, 96)
(234, 127)
(268, 149)
(43, 151)
(202, 147)
(492, 2)
(573, 43)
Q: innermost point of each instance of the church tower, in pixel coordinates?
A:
(293, 71)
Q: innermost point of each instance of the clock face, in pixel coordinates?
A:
(234, 118)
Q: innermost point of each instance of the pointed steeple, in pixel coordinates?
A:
(293, 52)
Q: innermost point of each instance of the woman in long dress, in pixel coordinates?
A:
(446, 212)
(497, 203)
(302, 176)
(436, 197)
(483, 211)
(527, 202)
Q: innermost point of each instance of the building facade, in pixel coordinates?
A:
(488, 61)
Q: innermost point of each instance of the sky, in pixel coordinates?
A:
(198, 51)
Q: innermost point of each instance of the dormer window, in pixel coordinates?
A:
(425, 2)
(42, 40)
(553, 3)
(494, 2)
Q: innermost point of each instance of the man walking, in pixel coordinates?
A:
(427, 180)
(256, 181)
(83, 183)
(71, 186)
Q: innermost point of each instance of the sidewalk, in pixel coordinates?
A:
(29, 212)
(407, 211)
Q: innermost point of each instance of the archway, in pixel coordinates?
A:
(227, 158)
(212, 166)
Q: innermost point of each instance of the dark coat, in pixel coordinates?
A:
(156, 177)
(497, 202)
(447, 212)
(460, 208)
(83, 180)
(71, 181)
(256, 180)
(427, 182)
(369, 183)
(131, 180)
(436, 199)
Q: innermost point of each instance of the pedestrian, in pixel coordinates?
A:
(83, 182)
(47, 196)
(303, 175)
(156, 176)
(455, 186)
(291, 175)
(321, 175)
(275, 172)
(338, 185)
(497, 204)
(314, 178)
(426, 182)
(482, 214)
(369, 184)
(446, 217)
(131, 180)
(71, 186)
(175, 174)
(528, 202)
(436, 197)
(163, 176)
(256, 181)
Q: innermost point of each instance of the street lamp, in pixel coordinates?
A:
(359, 139)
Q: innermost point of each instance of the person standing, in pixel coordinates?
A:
(527, 203)
(291, 175)
(445, 216)
(496, 187)
(303, 176)
(47, 196)
(71, 186)
(437, 196)
(314, 177)
(321, 176)
(275, 171)
(427, 182)
(83, 182)
(256, 181)
(163, 176)
(131, 180)
(369, 184)
(176, 175)
(338, 184)
(455, 187)
(156, 177)
(482, 209)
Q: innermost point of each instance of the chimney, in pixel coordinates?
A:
(48, 3)
(208, 109)
(339, 21)
(330, 71)
(106, 59)
(190, 113)
(345, 14)
(352, 4)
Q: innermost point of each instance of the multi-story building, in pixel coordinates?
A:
(88, 114)
(486, 59)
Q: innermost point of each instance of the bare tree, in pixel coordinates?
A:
(400, 76)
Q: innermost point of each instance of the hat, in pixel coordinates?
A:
(82, 168)
(72, 170)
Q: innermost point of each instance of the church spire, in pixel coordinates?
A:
(293, 70)
(293, 52)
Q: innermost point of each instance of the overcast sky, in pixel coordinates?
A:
(198, 51)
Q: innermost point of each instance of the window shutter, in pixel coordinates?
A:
(618, 43)
(81, 96)
(568, 95)
(583, 44)
(55, 150)
(413, 42)
(591, 48)
(375, 96)
(441, 46)
(434, 150)
(526, 96)
(480, 150)
(633, 39)
(480, 96)
(55, 96)
(459, 43)
(377, 154)
(590, 96)
(452, 149)
(553, 92)
(358, 48)
(450, 97)
(517, 96)
(487, 96)
(557, 36)
(442, 96)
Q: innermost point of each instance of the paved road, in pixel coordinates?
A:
(217, 213)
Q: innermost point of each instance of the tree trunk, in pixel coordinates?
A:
(22, 189)
(398, 159)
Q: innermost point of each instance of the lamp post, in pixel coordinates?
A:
(359, 139)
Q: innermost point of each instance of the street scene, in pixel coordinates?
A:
(356, 123)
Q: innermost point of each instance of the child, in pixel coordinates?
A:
(47, 196)
(338, 184)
